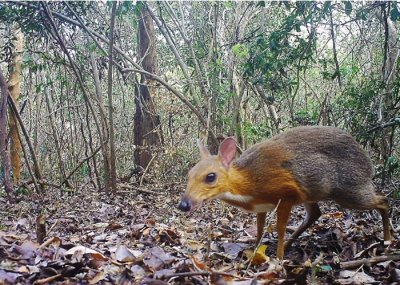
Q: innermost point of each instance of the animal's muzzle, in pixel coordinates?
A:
(185, 205)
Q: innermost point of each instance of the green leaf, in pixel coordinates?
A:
(348, 7)
(327, 6)
(240, 51)
(325, 268)
(394, 13)
(261, 4)
(361, 15)
(393, 162)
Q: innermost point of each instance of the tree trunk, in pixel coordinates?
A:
(113, 170)
(386, 99)
(147, 128)
(104, 126)
(14, 88)
(5, 157)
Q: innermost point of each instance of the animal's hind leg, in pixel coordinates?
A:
(383, 208)
(365, 198)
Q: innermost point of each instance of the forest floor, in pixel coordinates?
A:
(137, 236)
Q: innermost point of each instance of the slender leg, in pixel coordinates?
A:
(383, 208)
(260, 226)
(312, 214)
(283, 214)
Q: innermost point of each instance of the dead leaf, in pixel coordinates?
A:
(123, 254)
(8, 277)
(354, 277)
(156, 258)
(258, 257)
(163, 272)
(194, 245)
(395, 275)
(138, 272)
(198, 264)
(149, 281)
(97, 278)
(234, 249)
(85, 250)
(114, 226)
(27, 249)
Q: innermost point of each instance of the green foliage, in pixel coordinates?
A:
(84, 170)
(240, 51)
(293, 42)
(394, 13)
(255, 132)
(126, 7)
(348, 7)
(392, 163)
(355, 104)
(23, 191)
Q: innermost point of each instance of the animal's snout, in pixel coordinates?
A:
(185, 205)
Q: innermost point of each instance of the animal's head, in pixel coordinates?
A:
(209, 177)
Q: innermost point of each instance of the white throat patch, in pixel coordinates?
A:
(258, 208)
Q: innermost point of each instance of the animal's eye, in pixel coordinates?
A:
(210, 178)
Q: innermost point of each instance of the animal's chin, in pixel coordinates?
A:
(196, 205)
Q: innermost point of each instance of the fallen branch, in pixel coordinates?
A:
(368, 261)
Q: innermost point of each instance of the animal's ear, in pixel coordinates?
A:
(227, 151)
(204, 152)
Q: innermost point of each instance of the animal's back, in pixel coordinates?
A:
(324, 161)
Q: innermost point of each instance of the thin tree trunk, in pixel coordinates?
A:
(56, 141)
(334, 51)
(147, 123)
(391, 56)
(14, 88)
(5, 156)
(137, 67)
(91, 145)
(36, 167)
(212, 107)
(104, 128)
(113, 169)
(271, 108)
(78, 75)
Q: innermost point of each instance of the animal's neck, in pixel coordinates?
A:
(237, 191)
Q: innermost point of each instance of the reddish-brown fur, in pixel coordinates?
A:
(301, 166)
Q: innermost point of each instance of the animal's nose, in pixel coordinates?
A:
(184, 205)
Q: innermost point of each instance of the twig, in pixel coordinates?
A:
(384, 125)
(47, 280)
(147, 168)
(79, 165)
(208, 247)
(368, 261)
(52, 227)
(48, 242)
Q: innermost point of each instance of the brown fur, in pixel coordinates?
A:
(301, 166)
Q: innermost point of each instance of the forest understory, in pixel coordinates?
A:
(94, 94)
(138, 236)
